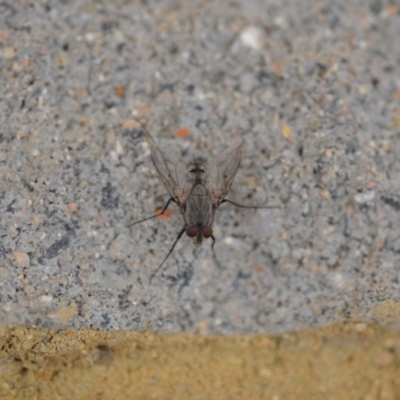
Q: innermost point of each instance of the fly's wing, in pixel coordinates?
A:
(173, 174)
(222, 172)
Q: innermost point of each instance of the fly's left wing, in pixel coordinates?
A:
(222, 173)
(173, 174)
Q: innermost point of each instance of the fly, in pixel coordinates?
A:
(198, 188)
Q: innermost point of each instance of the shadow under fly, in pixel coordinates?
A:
(198, 187)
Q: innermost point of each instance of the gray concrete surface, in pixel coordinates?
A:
(312, 87)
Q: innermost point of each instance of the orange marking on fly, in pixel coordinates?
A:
(166, 215)
(183, 132)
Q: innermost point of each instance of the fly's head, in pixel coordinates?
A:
(198, 233)
(197, 168)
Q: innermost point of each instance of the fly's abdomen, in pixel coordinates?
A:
(199, 207)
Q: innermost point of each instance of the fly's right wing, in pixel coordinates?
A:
(173, 174)
(222, 172)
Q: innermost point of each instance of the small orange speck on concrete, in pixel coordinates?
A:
(73, 207)
(29, 289)
(183, 132)
(283, 235)
(392, 10)
(4, 36)
(80, 93)
(131, 124)
(351, 71)
(371, 185)
(287, 132)
(278, 68)
(251, 181)
(385, 148)
(61, 61)
(395, 122)
(120, 91)
(260, 269)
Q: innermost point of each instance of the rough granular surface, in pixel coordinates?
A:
(311, 88)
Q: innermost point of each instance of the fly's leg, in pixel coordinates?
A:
(153, 216)
(243, 206)
(214, 253)
(213, 242)
(169, 253)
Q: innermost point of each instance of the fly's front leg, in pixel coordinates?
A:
(153, 216)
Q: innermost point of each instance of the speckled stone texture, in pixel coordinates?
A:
(311, 86)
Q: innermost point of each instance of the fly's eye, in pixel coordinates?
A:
(207, 232)
(191, 231)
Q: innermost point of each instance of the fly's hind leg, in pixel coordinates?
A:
(169, 253)
(214, 253)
